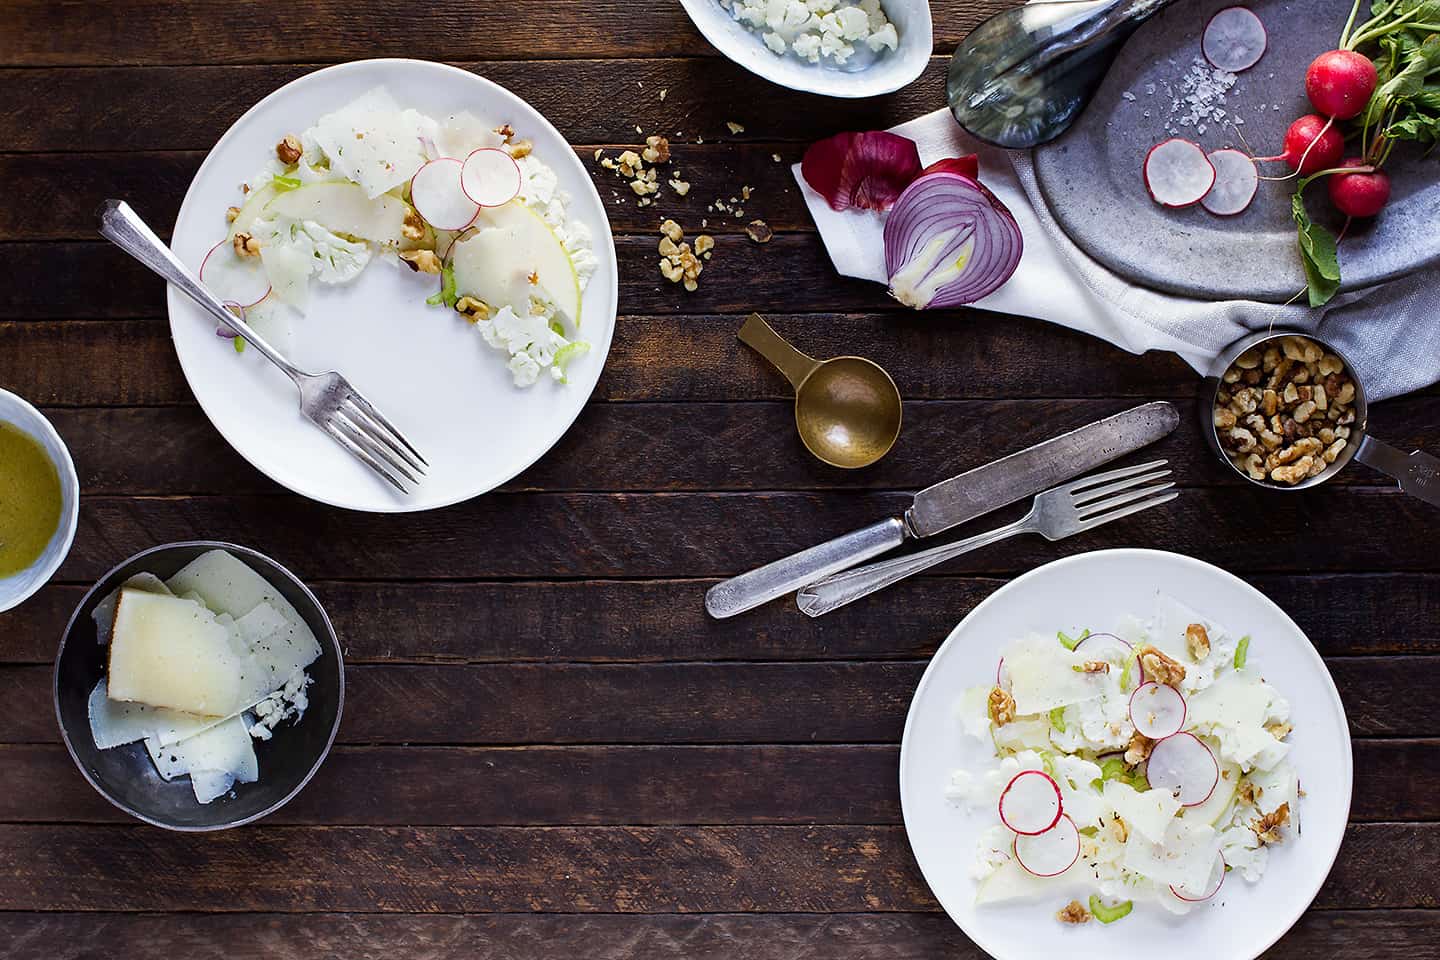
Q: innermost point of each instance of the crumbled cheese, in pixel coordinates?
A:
(816, 30)
(289, 702)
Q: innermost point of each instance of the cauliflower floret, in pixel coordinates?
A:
(775, 42)
(1243, 851)
(882, 38)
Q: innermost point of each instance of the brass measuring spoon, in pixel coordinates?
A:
(847, 409)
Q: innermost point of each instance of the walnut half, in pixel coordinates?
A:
(1001, 706)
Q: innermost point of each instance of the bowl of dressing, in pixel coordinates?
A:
(39, 500)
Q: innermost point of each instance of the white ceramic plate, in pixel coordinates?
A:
(1098, 590)
(888, 74)
(424, 367)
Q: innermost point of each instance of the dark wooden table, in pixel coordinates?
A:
(548, 750)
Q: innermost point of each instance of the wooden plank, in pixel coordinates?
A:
(117, 108)
(721, 534)
(1373, 934)
(842, 702)
(607, 785)
(558, 869)
(212, 31)
(637, 621)
(666, 357)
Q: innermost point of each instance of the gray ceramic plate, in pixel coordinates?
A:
(1091, 175)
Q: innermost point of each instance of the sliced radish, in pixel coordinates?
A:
(1002, 679)
(1234, 39)
(1177, 173)
(436, 193)
(1104, 646)
(1235, 181)
(1051, 853)
(490, 177)
(1157, 710)
(1212, 885)
(1182, 764)
(1030, 803)
(233, 278)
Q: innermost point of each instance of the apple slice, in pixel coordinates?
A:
(343, 208)
(513, 244)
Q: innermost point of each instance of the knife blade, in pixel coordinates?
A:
(976, 492)
(951, 502)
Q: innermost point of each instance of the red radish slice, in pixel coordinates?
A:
(231, 277)
(1030, 803)
(1002, 679)
(1177, 173)
(436, 193)
(490, 177)
(1156, 710)
(1183, 765)
(1051, 853)
(1234, 39)
(1212, 885)
(1104, 646)
(1235, 181)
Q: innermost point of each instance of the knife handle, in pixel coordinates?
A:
(763, 584)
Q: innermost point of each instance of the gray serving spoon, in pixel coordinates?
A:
(1022, 77)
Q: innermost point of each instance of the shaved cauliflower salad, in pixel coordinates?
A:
(1139, 767)
(458, 199)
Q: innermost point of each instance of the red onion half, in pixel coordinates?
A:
(949, 241)
(867, 170)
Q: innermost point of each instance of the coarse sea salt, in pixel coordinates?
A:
(1198, 98)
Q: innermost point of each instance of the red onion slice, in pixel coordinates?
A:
(949, 241)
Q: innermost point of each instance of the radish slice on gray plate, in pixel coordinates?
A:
(1157, 710)
(1212, 885)
(490, 177)
(1177, 173)
(1182, 764)
(1051, 853)
(1234, 39)
(435, 191)
(1030, 803)
(233, 278)
(1235, 181)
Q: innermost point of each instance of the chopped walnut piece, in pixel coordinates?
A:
(681, 187)
(289, 149)
(1159, 666)
(1137, 751)
(657, 150)
(734, 127)
(518, 148)
(245, 245)
(1267, 828)
(1001, 706)
(759, 231)
(672, 230)
(505, 130)
(1073, 912)
(472, 309)
(413, 226)
(1095, 666)
(1118, 829)
(1197, 641)
(1247, 792)
(421, 261)
(231, 213)
(1279, 730)
(704, 244)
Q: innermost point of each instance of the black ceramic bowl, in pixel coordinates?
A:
(125, 775)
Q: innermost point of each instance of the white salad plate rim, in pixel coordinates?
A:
(1239, 925)
(898, 68)
(448, 392)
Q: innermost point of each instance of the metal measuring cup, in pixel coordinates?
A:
(1418, 473)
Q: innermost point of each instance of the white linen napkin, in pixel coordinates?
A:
(1390, 332)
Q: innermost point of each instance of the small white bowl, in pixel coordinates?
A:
(17, 588)
(888, 74)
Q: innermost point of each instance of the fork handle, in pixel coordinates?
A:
(123, 227)
(836, 591)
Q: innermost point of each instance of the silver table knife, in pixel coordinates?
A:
(951, 502)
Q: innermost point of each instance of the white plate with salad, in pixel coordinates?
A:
(423, 231)
(1126, 748)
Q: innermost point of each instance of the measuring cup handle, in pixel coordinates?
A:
(1418, 472)
(760, 336)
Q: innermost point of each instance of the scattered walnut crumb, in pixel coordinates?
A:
(734, 127)
(245, 245)
(1279, 730)
(1118, 829)
(1001, 706)
(231, 213)
(759, 231)
(681, 187)
(1248, 792)
(413, 226)
(1267, 828)
(657, 150)
(1197, 641)
(505, 131)
(777, 158)
(1095, 666)
(1137, 751)
(599, 151)
(421, 261)
(1159, 666)
(1073, 912)
(663, 91)
(704, 244)
(289, 150)
(472, 309)
(519, 148)
(679, 263)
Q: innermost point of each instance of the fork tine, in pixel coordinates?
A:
(352, 429)
(369, 409)
(1090, 481)
(1089, 523)
(359, 453)
(1120, 499)
(1085, 497)
(379, 435)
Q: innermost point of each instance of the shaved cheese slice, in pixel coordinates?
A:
(1010, 881)
(461, 134)
(1148, 814)
(116, 722)
(229, 585)
(1184, 859)
(1234, 710)
(1083, 804)
(1171, 619)
(215, 759)
(104, 612)
(170, 652)
(1042, 678)
(373, 142)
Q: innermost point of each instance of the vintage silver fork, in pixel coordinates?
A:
(1057, 513)
(326, 399)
